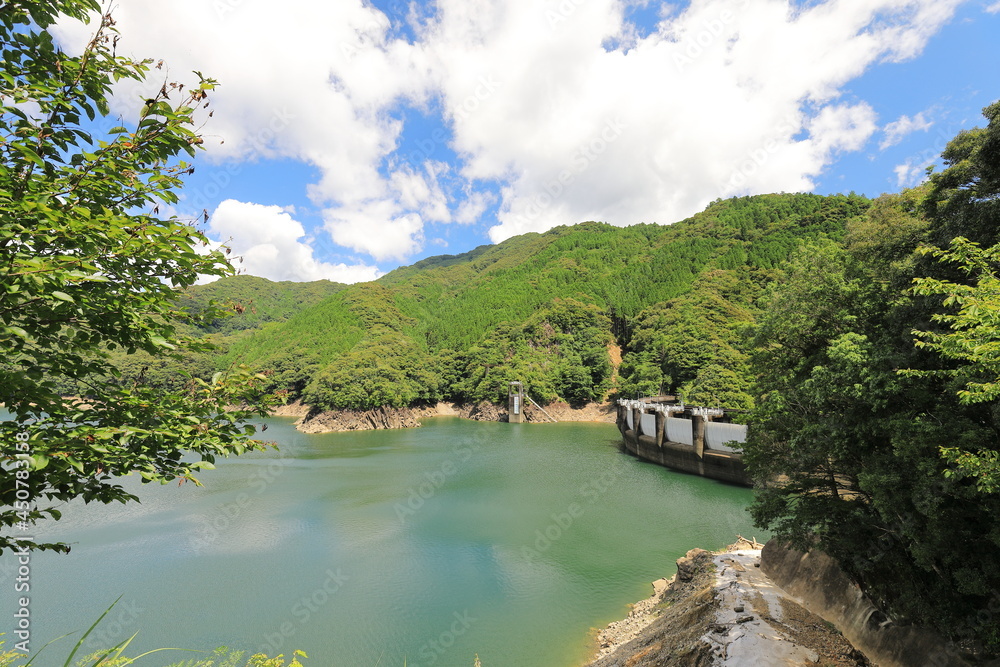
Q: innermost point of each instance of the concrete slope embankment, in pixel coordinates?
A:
(818, 581)
(721, 609)
(770, 606)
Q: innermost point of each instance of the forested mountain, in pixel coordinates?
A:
(545, 309)
(219, 313)
(541, 308)
(862, 336)
(253, 301)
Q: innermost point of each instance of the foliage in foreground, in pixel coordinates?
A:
(114, 656)
(876, 434)
(221, 657)
(88, 269)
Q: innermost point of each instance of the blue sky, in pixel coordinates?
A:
(350, 137)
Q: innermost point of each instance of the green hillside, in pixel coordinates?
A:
(254, 301)
(543, 308)
(247, 303)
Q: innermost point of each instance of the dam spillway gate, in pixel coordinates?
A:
(695, 440)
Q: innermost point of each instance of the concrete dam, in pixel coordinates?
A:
(695, 440)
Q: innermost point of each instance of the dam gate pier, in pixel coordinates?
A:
(691, 439)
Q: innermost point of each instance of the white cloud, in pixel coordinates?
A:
(726, 97)
(473, 207)
(911, 173)
(378, 229)
(841, 128)
(994, 8)
(904, 125)
(265, 242)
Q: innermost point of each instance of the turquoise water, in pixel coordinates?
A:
(427, 545)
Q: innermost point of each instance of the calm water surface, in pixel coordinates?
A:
(427, 545)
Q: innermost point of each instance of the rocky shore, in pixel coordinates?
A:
(721, 609)
(383, 418)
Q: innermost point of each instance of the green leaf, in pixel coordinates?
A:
(17, 331)
(29, 154)
(160, 341)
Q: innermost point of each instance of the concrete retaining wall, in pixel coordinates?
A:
(680, 443)
(825, 590)
(648, 423)
(679, 430)
(722, 466)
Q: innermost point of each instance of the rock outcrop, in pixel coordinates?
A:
(483, 412)
(313, 421)
(360, 420)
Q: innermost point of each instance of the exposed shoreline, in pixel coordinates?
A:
(332, 421)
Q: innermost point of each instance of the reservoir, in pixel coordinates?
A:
(427, 545)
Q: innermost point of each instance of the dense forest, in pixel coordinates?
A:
(875, 367)
(552, 310)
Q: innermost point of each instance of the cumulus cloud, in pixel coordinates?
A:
(378, 229)
(562, 108)
(911, 173)
(725, 98)
(265, 241)
(994, 8)
(896, 130)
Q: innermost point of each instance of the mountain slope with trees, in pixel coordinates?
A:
(543, 309)
(862, 336)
